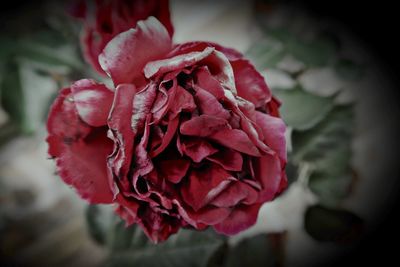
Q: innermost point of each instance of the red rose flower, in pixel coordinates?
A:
(104, 19)
(190, 136)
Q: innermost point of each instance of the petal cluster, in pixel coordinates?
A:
(190, 135)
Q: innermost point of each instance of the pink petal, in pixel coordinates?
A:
(188, 47)
(157, 67)
(64, 124)
(80, 150)
(83, 165)
(240, 219)
(209, 105)
(229, 159)
(197, 149)
(174, 170)
(93, 101)
(165, 99)
(125, 56)
(235, 193)
(204, 184)
(250, 84)
(183, 102)
(171, 130)
(205, 80)
(203, 125)
(142, 104)
(268, 171)
(273, 129)
(235, 139)
(119, 123)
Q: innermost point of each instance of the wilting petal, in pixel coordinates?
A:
(127, 209)
(83, 165)
(197, 149)
(204, 184)
(188, 47)
(229, 159)
(175, 63)
(64, 124)
(171, 130)
(93, 101)
(209, 105)
(119, 122)
(235, 139)
(174, 170)
(268, 172)
(203, 125)
(142, 103)
(209, 215)
(80, 150)
(241, 218)
(274, 133)
(125, 56)
(206, 81)
(235, 193)
(183, 102)
(250, 84)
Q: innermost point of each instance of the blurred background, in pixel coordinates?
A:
(332, 65)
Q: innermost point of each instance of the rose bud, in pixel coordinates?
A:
(104, 19)
(190, 136)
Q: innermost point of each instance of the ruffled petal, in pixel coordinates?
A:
(204, 184)
(203, 125)
(125, 56)
(250, 84)
(209, 105)
(241, 218)
(93, 101)
(229, 159)
(235, 139)
(174, 170)
(197, 149)
(236, 192)
(268, 171)
(273, 129)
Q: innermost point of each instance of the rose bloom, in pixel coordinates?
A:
(104, 19)
(190, 136)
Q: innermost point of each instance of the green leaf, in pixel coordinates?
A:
(302, 110)
(257, 251)
(327, 147)
(332, 225)
(187, 248)
(266, 54)
(318, 52)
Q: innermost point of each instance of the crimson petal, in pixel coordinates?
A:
(250, 84)
(235, 139)
(147, 42)
(203, 125)
(240, 219)
(229, 159)
(174, 170)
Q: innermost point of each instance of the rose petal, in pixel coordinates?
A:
(197, 149)
(127, 209)
(174, 170)
(64, 124)
(175, 63)
(188, 47)
(183, 102)
(203, 125)
(235, 139)
(204, 184)
(209, 105)
(241, 218)
(250, 84)
(207, 82)
(268, 171)
(142, 103)
(125, 56)
(235, 193)
(119, 122)
(209, 215)
(171, 130)
(274, 133)
(229, 159)
(83, 165)
(93, 101)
